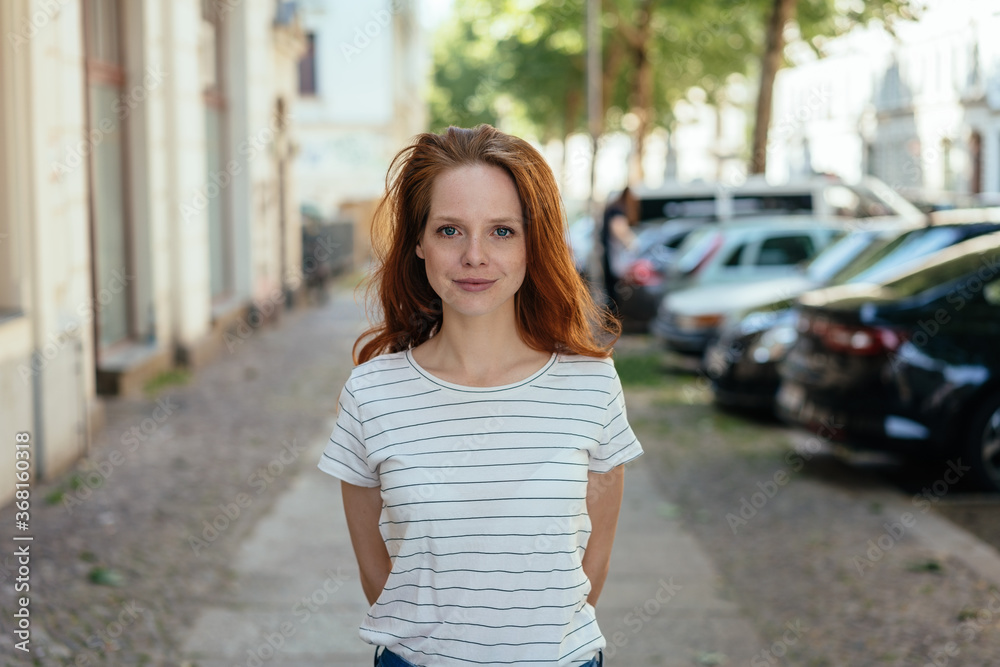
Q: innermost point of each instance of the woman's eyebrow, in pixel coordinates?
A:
(503, 219)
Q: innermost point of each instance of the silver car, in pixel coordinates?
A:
(715, 264)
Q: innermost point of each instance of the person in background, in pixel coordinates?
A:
(481, 438)
(616, 238)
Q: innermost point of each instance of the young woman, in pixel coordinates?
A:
(481, 437)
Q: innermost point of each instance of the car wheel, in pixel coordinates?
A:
(983, 445)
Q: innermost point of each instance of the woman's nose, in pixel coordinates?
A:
(475, 253)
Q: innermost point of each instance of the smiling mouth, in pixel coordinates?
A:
(475, 284)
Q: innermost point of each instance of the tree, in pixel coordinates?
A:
(817, 20)
(496, 59)
(782, 12)
(522, 62)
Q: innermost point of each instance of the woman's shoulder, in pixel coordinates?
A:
(382, 364)
(578, 364)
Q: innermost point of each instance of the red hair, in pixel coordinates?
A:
(554, 309)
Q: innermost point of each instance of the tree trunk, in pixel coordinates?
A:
(642, 90)
(614, 55)
(783, 11)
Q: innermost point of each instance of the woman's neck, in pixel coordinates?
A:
(479, 352)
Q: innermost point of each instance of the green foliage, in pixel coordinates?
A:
(636, 370)
(522, 62)
(105, 576)
(525, 61)
(167, 378)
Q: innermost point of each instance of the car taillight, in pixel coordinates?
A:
(851, 338)
(642, 273)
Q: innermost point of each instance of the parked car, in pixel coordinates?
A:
(910, 365)
(743, 362)
(726, 256)
(822, 196)
(643, 269)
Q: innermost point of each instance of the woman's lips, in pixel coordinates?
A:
(475, 284)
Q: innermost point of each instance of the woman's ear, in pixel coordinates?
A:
(420, 251)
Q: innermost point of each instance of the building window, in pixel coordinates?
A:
(216, 131)
(307, 67)
(110, 229)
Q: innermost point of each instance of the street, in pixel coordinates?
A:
(213, 540)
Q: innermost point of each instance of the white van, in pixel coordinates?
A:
(820, 196)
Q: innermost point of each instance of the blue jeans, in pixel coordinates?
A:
(390, 659)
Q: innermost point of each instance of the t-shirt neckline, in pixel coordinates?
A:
(479, 390)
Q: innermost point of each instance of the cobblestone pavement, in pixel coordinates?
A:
(129, 547)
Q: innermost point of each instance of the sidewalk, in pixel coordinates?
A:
(297, 600)
(298, 591)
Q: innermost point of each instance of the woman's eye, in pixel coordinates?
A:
(449, 231)
(504, 232)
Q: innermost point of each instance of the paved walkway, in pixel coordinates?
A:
(297, 599)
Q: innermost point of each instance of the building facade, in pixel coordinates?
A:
(147, 200)
(919, 110)
(363, 97)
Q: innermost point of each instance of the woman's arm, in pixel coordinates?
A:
(604, 500)
(362, 507)
(622, 230)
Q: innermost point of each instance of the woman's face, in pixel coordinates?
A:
(473, 245)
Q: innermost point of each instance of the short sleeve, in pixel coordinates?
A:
(618, 444)
(345, 456)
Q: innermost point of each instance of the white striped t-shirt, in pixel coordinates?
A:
(484, 505)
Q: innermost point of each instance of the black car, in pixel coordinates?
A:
(909, 366)
(743, 363)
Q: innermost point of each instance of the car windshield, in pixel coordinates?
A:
(838, 255)
(695, 248)
(648, 236)
(906, 252)
(944, 271)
